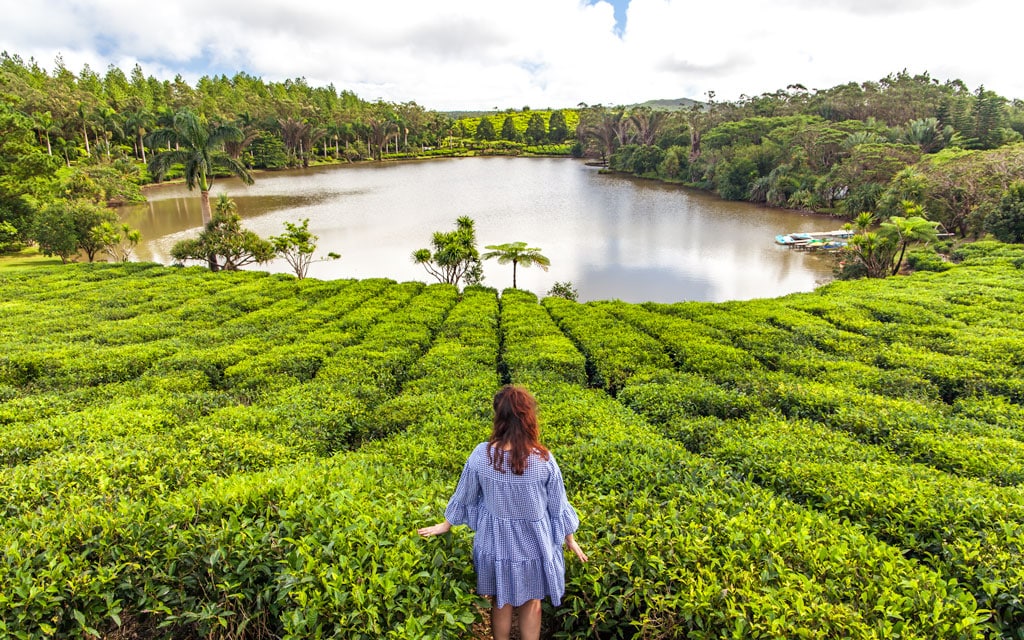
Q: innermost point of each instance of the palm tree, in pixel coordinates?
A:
(903, 232)
(604, 127)
(861, 223)
(199, 149)
(518, 254)
(44, 124)
(250, 131)
(648, 124)
(928, 134)
(137, 121)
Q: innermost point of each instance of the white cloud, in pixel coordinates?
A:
(449, 54)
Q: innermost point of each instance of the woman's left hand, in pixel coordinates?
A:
(435, 530)
(575, 548)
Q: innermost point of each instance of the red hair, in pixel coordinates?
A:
(515, 428)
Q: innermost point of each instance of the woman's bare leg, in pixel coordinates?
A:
(501, 621)
(529, 620)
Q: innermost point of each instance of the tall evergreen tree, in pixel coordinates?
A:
(535, 129)
(508, 130)
(485, 130)
(558, 129)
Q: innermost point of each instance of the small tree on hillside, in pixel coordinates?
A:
(64, 228)
(902, 232)
(1006, 222)
(455, 257)
(223, 244)
(877, 254)
(564, 290)
(297, 246)
(118, 241)
(558, 129)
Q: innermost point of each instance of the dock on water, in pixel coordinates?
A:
(814, 240)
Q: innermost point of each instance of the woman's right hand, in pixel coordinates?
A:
(574, 546)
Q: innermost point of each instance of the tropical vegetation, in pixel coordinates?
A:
(850, 149)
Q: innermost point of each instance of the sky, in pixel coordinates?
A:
(486, 54)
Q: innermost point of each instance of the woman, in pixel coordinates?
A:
(511, 494)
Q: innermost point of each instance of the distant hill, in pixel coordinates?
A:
(670, 104)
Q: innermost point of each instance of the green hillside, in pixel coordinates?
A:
(520, 118)
(241, 455)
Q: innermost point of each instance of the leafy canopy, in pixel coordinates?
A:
(454, 257)
(297, 245)
(224, 244)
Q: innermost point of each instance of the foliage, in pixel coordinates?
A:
(455, 257)
(267, 152)
(223, 244)
(469, 123)
(10, 240)
(485, 129)
(66, 227)
(558, 127)
(877, 254)
(518, 254)
(958, 188)
(1006, 222)
(564, 290)
(536, 129)
(101, 184)
(118, 241)
(297, 246)
(508, 130)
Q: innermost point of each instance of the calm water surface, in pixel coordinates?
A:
(612, 236)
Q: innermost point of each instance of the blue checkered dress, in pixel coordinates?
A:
(520, 524)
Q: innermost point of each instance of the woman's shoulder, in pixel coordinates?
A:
(544, 453)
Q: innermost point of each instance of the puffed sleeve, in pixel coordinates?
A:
(563, 517)
(464, 505)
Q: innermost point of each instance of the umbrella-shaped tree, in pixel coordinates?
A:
(518, 254)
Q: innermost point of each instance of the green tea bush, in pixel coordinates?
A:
(614, 354)
(535, 350)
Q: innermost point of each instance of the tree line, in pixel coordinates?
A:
(954, 154)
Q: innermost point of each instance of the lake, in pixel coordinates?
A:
(612, 236)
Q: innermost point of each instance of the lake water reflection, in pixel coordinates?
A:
(612, 236)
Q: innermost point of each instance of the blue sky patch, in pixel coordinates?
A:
(620, 13)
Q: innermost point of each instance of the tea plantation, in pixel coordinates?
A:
(187, 454)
